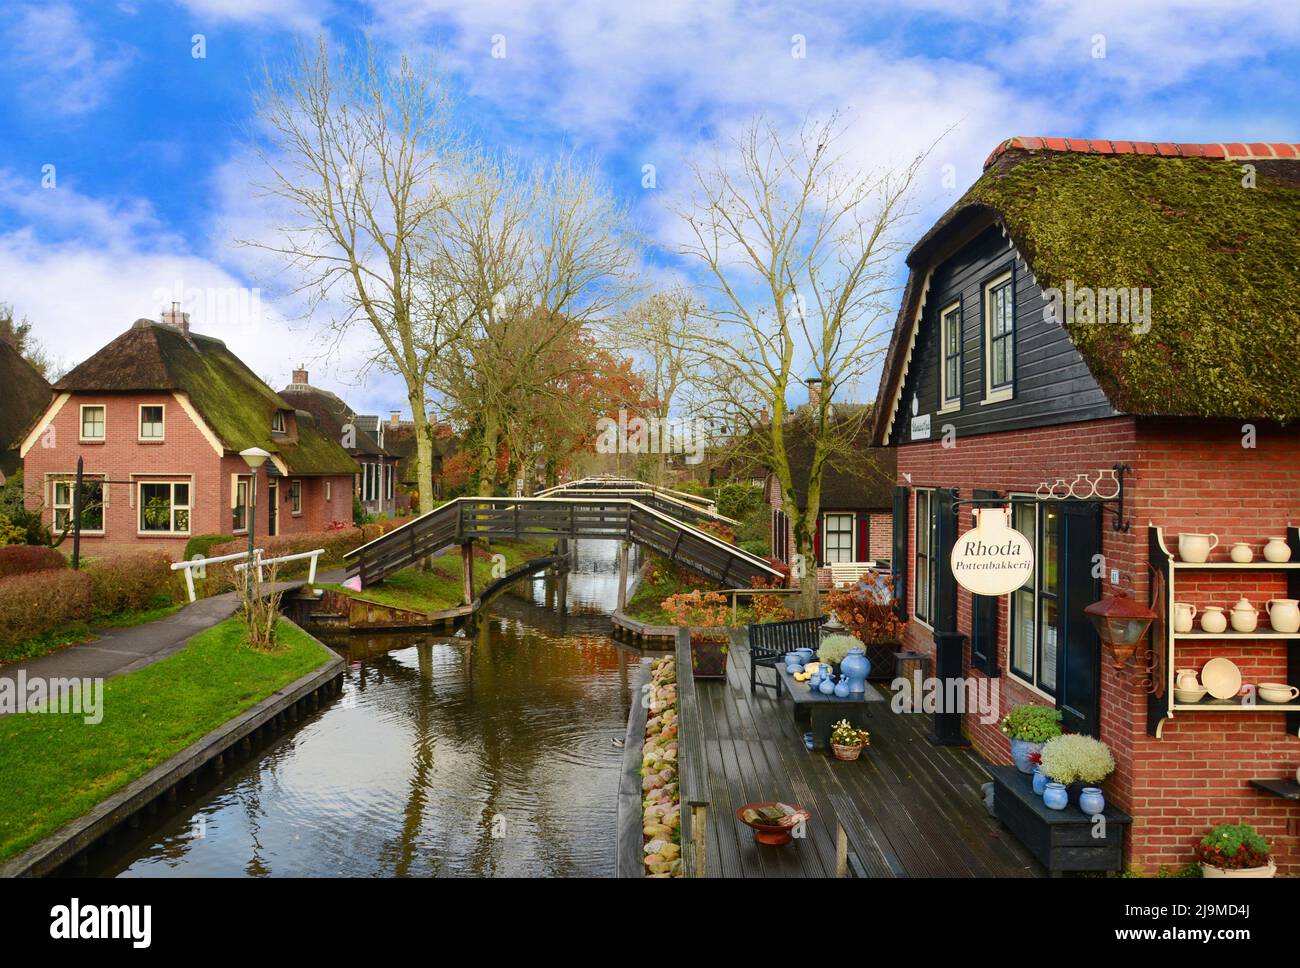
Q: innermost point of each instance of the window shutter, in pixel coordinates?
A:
(945, 517)
(817, 542)
(899, 550)
(984, 622)
(864, 537)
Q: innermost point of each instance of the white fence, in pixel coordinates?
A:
(196, 567)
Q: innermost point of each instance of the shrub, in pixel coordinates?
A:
(696, 610)
(1076, 759)
(131, 582)
(835, 647)
(1233, 846)
(738, 500)
(46, 601)
(24, 559)
(867, 609)
(201, 544)
(259, 611)
(1032, 723)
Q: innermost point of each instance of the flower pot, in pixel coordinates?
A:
(1091, 801)
(1209, 870)
(846, 753)
(1055, 797)
(1040, 781)
(709, 654)
(1020, 750)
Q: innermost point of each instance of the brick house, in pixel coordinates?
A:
(991, 392)
(854, 523)
(159, 416)
(360, 435)
(26, 394)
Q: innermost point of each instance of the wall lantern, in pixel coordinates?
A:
(1120, 623)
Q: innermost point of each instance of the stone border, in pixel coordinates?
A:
(629, 839)
(47, 855)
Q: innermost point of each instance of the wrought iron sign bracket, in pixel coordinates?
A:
(1053, 492)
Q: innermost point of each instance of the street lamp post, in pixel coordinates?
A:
(254, 457)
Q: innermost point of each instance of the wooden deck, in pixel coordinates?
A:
(920, 803)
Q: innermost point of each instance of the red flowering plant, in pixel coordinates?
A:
(1233, 847)
(867, 609)
(768, 608)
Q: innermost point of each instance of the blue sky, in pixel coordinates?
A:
(152, 173)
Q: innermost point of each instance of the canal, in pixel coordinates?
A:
(443, 756)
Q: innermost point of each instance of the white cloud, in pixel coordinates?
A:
(299, 15)
(65, 69)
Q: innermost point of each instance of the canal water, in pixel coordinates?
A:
(443, 756)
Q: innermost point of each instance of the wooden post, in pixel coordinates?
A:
(841, 852)
(622, 575)
(699, 831)
(467, 565)
(76, 516)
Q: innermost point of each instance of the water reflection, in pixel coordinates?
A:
(483, 755)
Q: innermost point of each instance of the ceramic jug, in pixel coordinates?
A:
(1241, 553)
(827, 686)
(1213, 620)
(1277, 550)
(1184, 614)
(1196, 547)
(1283, 614)
(1187, 679)
(1245, 616)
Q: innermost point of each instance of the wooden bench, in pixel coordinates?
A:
(1062, 840)
(770, 641)
(692, 780)
(848, 573)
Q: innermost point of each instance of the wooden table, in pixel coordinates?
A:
(823, 712)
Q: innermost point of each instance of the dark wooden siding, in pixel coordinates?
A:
(1052, 383)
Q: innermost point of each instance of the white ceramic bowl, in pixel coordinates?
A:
(1276, 692)
(1190, 695)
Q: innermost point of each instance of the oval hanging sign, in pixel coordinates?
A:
(992, 558)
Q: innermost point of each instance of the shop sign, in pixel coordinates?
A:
(921, 427)
(992, 558)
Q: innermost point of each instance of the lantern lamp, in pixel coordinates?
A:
(1120, 623)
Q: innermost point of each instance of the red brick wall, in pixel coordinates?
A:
(185, 453)
(1192, 476)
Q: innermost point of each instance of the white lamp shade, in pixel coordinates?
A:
(254, 457)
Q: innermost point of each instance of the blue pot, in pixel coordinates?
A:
(1055, 797)
(1020, 750)
(842, 689)
(1040, 780)
(805, 655)
(792, 669)
(856, 667)
(1091, 801)
(792, 658)
(827, 686)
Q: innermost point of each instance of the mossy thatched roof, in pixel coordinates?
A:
(1222, 261)
(227, 394)
(331, 413)
(24, 395)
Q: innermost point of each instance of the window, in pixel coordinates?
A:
(1024, 518)
(999, 336)
(927, 555)
(838, 544)
(151, 422)
(390, 481)
(92, 423)
(92, 504)
(277, 422)
(239, 504)
(1036, 605)
(295, 497)
(164, 507)
(950, 372)
(329, 490)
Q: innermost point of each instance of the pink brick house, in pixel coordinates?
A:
(159, 417)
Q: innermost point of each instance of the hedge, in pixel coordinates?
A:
(131, 582)
(201, 544)
(40, 603)
(25, 559)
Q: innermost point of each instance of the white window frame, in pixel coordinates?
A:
(853, 536)
(947, 402)
(924, 614)
(1030, 683)
(389, 471)
(329, 491)
(81, 423)
(188, 507)
(278, 422)
(295, 498)
(235, 481)
(162, 424)
(998, 394)
(70, 480)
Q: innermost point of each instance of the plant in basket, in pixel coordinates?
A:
(847, 740)
(1235, 850)
(708, 616)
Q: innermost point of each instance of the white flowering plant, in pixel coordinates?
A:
(844, 733)
(1073, 758)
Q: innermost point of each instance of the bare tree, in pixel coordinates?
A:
(361, 153)
(796, 245)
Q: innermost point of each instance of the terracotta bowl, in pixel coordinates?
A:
(774, 835)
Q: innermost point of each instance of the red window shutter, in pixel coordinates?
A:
(864, 537)
(817, 542)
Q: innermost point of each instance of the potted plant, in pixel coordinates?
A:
(1235, 850)
(1029, 727)
(847, 741)
(708, 617)
(1074, 760)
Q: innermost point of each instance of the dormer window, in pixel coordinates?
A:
(277, 422)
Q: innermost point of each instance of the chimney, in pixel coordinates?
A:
(176, 319)
(814, 392)
(300, 376)
(764, 417)
(394, 417)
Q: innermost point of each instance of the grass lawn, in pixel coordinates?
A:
(56, 767)
(84, 632)
(440, 588)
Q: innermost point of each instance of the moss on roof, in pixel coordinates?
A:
(1222, 261)
(235, 403)
(24, 395)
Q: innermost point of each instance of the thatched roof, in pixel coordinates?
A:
(24, 396)
(331, 413)
(227, 394)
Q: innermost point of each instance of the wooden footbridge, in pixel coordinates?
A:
(560, 515)
(691, 508)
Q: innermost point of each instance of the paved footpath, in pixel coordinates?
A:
(119, 651)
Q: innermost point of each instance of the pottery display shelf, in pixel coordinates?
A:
(1163, 708)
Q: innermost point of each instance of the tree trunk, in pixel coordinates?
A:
(487, 475)
(423, 450)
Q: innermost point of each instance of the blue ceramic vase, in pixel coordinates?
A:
(827, 686)
(1020, 750)
(1091, 801)
(1040, 780)
(856, 667)
(805, 655)
(842, 689)
(1055, 797)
